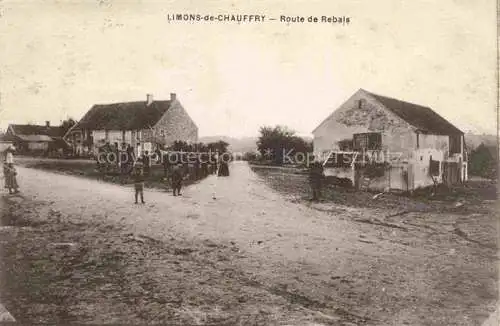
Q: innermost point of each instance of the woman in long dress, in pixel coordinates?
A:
(223, 165)
(10, 178)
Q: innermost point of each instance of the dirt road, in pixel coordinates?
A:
(313, 257)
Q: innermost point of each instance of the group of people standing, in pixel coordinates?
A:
(139, 175)
(9, 171)
(175, 172)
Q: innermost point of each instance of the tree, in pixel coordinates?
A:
(67, 124)
(180, 145)
(483, 161)
(276, 142)
(218, 146)
(200, 147)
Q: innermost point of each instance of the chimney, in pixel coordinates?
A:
(149, 99)
(173, 96)
(47, 123)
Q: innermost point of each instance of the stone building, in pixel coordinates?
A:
(142, 125)
(387, 144)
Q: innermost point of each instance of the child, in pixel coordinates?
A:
(139, 183)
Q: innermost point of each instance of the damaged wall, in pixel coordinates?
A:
(408, 153)
(351, 118)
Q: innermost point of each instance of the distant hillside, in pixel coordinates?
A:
(472, 140)
(240, 145)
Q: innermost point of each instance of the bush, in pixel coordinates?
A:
(276, 142)
(483, 161)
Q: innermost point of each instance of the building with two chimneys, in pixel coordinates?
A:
(142, 125)
(382, 143)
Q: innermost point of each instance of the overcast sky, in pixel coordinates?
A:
(57, 59)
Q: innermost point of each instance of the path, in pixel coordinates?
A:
(243, 210)
(323, 260)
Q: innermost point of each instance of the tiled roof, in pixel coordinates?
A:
(124, 116)
(421, 117)
(37, 130)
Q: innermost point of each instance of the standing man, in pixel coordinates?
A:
(177, 176)
(130, 158)
(146, 160)
(316, 179)
(139, 183)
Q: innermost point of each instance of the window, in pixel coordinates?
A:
(345, 145)
(367, 141)
(433, 167)
(455, 144)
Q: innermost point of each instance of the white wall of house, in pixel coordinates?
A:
(128, 137)
(99, 136)
(349, 119)
(399, 140)
(439, 142)
(113, 136)
(436, 147)
(38, 146)
(421, 166)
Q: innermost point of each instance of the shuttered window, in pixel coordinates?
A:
(434, 167)
(455, 144)
(367, 141)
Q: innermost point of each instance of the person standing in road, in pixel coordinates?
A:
(139, 183)
(146, 161)
(177, 176)
(130, 159)
(316, 179)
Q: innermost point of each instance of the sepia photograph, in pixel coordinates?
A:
(298, 163)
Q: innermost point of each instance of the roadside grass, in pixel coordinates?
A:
(294, 184)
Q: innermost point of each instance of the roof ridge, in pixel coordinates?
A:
(396, 99)
(424, 114)
(124, 115)
(128, 102)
